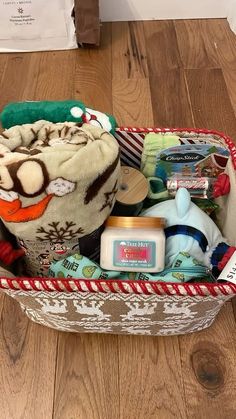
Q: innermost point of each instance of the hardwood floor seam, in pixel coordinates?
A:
(1, 305)
(189, 99)
(55, 378)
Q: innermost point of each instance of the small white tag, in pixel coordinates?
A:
(229, 271)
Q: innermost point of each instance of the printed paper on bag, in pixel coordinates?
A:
(27, 25)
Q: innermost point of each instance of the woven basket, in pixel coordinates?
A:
(127, 307)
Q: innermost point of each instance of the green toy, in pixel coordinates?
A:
(20, 113)
(153, 144)
(157, 189)
(100, 119)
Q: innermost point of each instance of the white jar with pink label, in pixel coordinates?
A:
(133, 244)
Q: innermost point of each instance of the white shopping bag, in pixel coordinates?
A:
(36, 25)
(232, 15)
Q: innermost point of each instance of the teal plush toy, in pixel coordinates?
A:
(20, 113)
(189, 229)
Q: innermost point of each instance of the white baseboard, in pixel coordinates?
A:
(124, 10)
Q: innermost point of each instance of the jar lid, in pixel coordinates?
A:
(133, 188)
(136, 222)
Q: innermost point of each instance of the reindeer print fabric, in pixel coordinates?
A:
(120, 313)
(52, 243)
(58, 185)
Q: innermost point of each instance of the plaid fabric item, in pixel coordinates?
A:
(217, 257)
(188, 231)
(219, 253)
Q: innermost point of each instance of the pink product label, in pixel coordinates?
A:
(134, 254)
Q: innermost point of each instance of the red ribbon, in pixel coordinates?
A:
(221, 186)
(226, 258)
(8, 255)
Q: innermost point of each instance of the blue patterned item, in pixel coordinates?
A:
(184, 269)
(189, 229)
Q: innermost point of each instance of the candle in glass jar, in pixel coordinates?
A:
(133, 244)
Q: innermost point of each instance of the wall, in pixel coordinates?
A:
(112, 10)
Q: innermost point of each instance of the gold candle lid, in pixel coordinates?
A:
(136, 222)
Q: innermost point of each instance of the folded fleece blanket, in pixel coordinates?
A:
(58, 186)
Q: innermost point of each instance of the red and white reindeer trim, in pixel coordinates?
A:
(116, 286)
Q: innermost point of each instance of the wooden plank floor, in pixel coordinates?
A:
(180, 73)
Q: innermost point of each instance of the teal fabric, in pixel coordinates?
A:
(184, 269)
